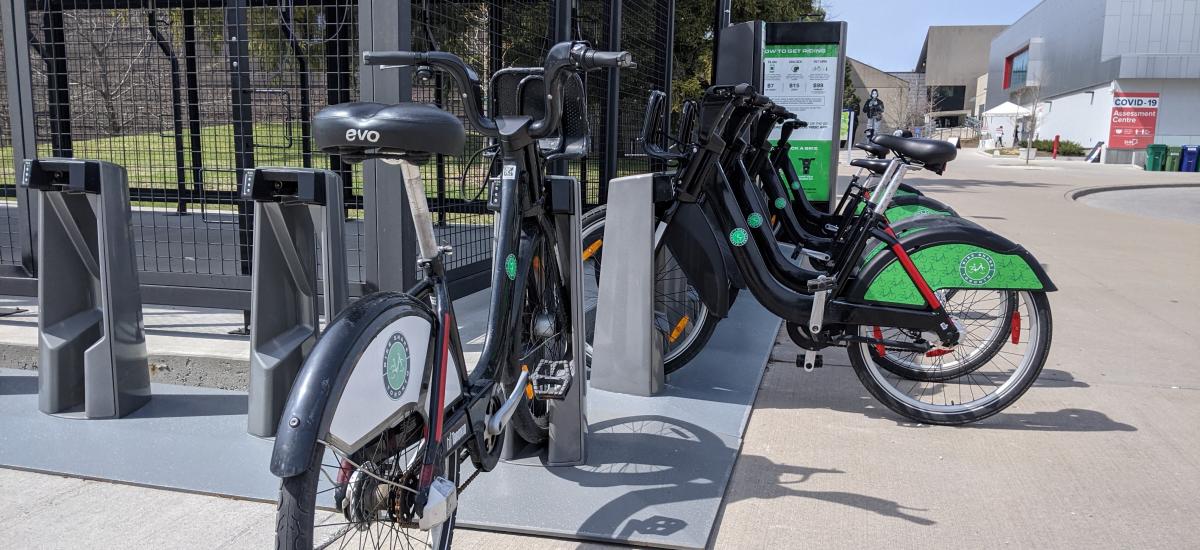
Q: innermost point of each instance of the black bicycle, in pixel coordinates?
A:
(946, 325)
(385, 414)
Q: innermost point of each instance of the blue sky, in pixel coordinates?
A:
(888, 34)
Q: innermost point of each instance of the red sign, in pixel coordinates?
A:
(1134, 118)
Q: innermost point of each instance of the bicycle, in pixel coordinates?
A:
(901, 288)
(684, 319)
(384, 413)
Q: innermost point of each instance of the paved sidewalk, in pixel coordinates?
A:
(1101, 453)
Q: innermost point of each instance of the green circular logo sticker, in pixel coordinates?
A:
(739, 237)
(780, 203)
(796, 185)
(755, 220)
(510, 267)
(395, 366)
(977, 268)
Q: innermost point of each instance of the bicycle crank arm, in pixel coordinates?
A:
(496, 423)
(889, 344)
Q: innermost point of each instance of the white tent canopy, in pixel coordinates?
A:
(1005, 115)
(1007, 109)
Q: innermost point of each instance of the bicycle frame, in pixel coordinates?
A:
(761, 273)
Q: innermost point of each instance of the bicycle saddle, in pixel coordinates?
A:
(878, 151)
(362, 130)
(878, 166)
(932, 153)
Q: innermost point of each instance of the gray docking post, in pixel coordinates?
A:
(294, 209)
(92, 359)
(627, 349)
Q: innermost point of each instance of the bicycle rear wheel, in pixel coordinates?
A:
(684, 320)
(373, 498)
(978, 394)
(984, 319)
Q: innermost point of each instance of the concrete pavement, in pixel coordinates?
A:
(1100, 453)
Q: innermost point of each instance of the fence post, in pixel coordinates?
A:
(241, 98)
(390, 251)
(58, 85)
(721, 19)
(667, 20)
(561, 31)
(612, 107)
(338, 60)
(21, 122)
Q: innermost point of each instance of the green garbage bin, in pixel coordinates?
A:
(1173, 156)
(1156, 156)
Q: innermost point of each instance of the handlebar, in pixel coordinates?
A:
(754, 98)
(590, 59)
(562, 60)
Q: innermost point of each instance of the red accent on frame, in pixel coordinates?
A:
(1016, 327)
(937, 352)
(879, 347)
(441, 391)
(926, 292)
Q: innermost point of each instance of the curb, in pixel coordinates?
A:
(1076, 194)
(187, 370)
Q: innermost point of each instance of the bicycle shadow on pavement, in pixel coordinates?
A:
(836, 387)
(680, 465)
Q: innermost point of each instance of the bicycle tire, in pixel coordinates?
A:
(677, 358)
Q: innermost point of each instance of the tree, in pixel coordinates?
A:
(850, 99)
(694, 35)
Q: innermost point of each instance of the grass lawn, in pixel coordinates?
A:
(150, 162)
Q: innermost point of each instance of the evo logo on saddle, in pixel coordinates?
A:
(362, 135)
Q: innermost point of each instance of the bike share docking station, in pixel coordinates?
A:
(296, 211)
(92, 360)
(801, 67)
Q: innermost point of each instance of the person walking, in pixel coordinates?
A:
(873, 109)
(1000, 137)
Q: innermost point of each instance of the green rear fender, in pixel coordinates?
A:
(950, 256)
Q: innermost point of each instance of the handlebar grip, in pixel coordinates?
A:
(780, 112)
(754, 98)
(394, 58)
(595, 59)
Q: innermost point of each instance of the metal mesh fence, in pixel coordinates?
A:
(159, 92)
(488, 36)
(186, 94)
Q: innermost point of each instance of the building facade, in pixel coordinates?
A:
(1121, 73)
(892, 92)
(951, 61)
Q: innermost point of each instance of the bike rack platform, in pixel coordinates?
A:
(655, 475)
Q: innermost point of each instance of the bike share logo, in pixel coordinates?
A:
(360, 135)
(977, 268)
(395, 366)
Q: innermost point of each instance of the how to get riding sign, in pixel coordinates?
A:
(1133, 121)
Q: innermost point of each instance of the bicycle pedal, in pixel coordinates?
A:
(551, 379)
(809, 361)
(821, 284)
